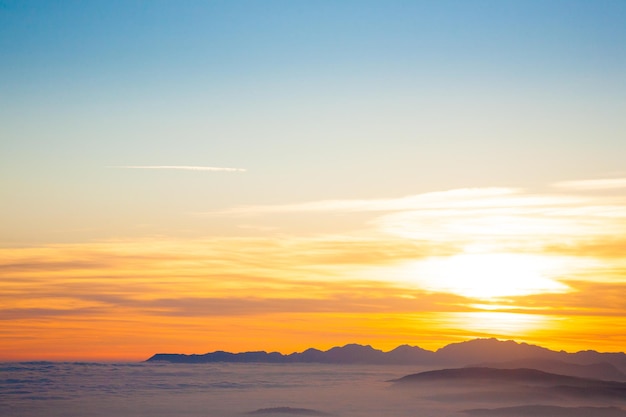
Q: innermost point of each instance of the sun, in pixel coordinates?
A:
(488, 276)
(501, 324)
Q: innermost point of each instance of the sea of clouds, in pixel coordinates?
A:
(39, 389)
(50, 389)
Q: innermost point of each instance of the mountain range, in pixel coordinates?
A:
(491, 353)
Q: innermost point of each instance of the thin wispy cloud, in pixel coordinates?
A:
(182, 168)
(598, 184)
(457, 199)
(466, 196)
(487, 217)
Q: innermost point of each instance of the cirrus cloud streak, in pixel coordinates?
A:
(181, 168)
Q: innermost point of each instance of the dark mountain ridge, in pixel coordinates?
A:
(494, 375)
(601, 370)
(477, 351)
(548, 410)
(516, 385)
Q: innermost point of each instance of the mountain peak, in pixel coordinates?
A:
(472, 351)
(355, 346)
(456, 354)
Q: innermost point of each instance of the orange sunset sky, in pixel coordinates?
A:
(200, 176)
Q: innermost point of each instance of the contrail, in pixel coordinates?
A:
(181, 167)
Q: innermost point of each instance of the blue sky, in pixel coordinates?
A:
(310, 173)
(317, 100)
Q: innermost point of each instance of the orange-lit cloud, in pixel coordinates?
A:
(513, 264)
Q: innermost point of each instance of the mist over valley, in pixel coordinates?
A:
(337, 382)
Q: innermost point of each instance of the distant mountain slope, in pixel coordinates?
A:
(603, 370)
(476, 351)
(493, 385)
(289, 411)
(548, 410)
(504, 376)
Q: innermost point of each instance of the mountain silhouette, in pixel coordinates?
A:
(478, 350)
(496, 353)
(601, 370)
(548, 410)
(517, 385)
(494, 375)
(348, 354)
(288, 411)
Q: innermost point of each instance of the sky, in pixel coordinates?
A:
(277, 175)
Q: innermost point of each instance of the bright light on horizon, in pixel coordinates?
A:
(486, 276)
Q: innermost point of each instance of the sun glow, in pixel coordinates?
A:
(488, 275)
(499, 323)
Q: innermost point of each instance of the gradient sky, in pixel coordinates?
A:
(241, 175)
